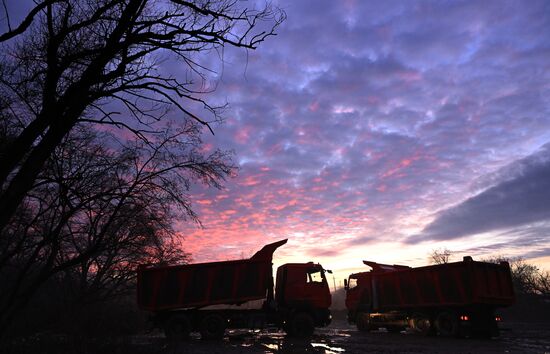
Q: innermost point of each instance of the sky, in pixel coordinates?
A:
(383, 130)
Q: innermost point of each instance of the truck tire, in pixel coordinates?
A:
(363, 322)
(212, 327)
(301, 325)
(421, 323)
(177, 327)
(447, 324)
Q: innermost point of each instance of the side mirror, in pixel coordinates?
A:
(346, 284)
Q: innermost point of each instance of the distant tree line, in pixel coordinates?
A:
(100, 144)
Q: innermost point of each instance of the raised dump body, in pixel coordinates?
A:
(452, 299)
(454, 284)
(204, 284)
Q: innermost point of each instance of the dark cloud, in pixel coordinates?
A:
(526, 241)
(542, 252)
(520, 200)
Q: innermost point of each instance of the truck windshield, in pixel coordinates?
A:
(315, 276)
(352, 283)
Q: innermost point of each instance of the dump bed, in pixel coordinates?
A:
(204, 284)
(466, 283)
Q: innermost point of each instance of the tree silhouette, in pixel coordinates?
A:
(95, 213)
(527, 277)
(440, 256)
(70, 59)
(77, 197)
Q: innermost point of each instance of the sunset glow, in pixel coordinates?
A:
(382, 131)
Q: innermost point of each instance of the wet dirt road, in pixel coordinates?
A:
(342, 338)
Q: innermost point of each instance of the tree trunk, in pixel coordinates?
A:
(14, 153)
(25, 177)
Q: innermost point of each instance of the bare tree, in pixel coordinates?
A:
(543, 283)
(97, 62)
(440, 256)
(84, 204)
(97, 211)
(527, 278)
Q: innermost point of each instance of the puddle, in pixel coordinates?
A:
(271, 346)
(328, 349)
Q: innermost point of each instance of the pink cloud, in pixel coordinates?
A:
(314, 107)
(250, 181)
(398, 171)
(242, 136)
(410, 76)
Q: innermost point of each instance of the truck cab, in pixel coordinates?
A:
(358, 294)
(361, 296)
(303, 297)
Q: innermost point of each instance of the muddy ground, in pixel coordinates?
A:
(339, 337)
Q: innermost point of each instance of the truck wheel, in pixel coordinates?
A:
(446, 324)
(302, 325)
(421, 323)
(362, 320)
(212, 327)
(177, 327)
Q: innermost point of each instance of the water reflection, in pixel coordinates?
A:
(278, 342)
(328, 349)
(293, 345)
(269, 341)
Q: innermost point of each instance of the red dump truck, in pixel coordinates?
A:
(210, 297)
(453, 299)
